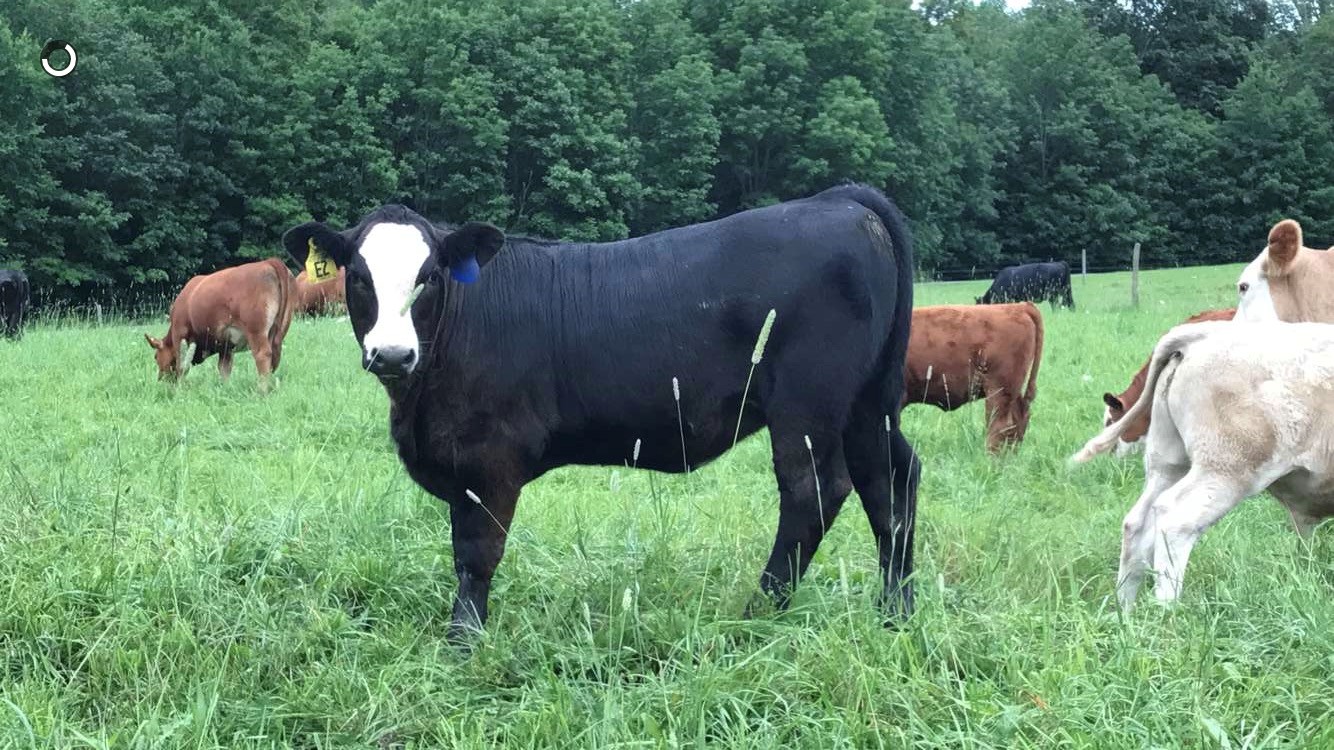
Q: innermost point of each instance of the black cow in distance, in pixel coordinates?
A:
(14, 296)
(1033, 282)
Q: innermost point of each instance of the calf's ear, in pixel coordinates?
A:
(155, 343)
(468, 248)
(1285, 239)
(314, 236)
(1113, 402)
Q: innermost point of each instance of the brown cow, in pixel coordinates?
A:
(1118, 405)
(325, 297)
(245, 307)
(958, 353)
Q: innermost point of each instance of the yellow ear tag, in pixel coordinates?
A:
(319, 268)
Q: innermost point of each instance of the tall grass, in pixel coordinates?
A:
(206, 567)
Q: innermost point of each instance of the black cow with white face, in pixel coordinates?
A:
(504, 358)
(14, 294)
(1031, 282)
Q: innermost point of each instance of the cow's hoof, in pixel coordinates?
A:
(766, 604)
(898, 606)
(463, 636)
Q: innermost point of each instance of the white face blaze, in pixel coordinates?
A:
(1254, 303)
(394, 254)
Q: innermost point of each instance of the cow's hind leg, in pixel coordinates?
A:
(225, 363)
(1002, 431)
(1138, 530)
(277, 354)
(1165, 464)
(1183, 514)
(262, 349)
(885, 472)
(807, 507)
(1302, 522)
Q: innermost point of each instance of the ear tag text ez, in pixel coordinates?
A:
(465, 271)
(319, 268)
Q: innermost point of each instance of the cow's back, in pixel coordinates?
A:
(1268, 388)
(951, 346)
(315, 299)
(253, 297)
(584, 331)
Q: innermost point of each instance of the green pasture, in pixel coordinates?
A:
(206, 567)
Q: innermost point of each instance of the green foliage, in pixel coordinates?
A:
(1280, 142)
(194, 132)
(1199, 49)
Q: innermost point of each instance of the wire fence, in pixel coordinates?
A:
(989, 272)
(102, 304)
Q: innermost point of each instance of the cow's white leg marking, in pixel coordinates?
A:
(1138, 531)
(1183, 514)
(394, 254)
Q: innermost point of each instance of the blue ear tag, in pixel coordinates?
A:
(465, 271)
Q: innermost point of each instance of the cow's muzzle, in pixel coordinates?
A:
(390, 362)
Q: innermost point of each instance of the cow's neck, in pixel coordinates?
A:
(405, 396)
(1305, 293)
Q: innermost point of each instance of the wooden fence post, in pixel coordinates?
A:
(1084, 263)
(1134, 276)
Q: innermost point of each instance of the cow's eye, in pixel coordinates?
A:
(1242, 287)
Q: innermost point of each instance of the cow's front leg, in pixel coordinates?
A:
(479, 526)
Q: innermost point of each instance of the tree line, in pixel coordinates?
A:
(194, 132)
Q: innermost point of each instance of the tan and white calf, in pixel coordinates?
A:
(1237, 408)
(1288, 281)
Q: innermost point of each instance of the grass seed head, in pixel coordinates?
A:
(764, 336)
(407, 305)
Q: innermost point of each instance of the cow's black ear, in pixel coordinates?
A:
(313, 235)
(1113, 402)
(468, 248)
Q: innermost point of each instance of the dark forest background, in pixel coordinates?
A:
(194, 132)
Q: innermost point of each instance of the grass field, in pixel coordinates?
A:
(206, 567)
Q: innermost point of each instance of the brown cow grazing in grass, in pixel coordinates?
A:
(245, 307)
(1118, 405)
(321, 297)
(958, 353)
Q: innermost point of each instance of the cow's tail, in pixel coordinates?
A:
(1166, 355)
(286, 302)
(1031, 391)
(900, 246)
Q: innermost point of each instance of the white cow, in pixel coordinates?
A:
(1237, 408)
